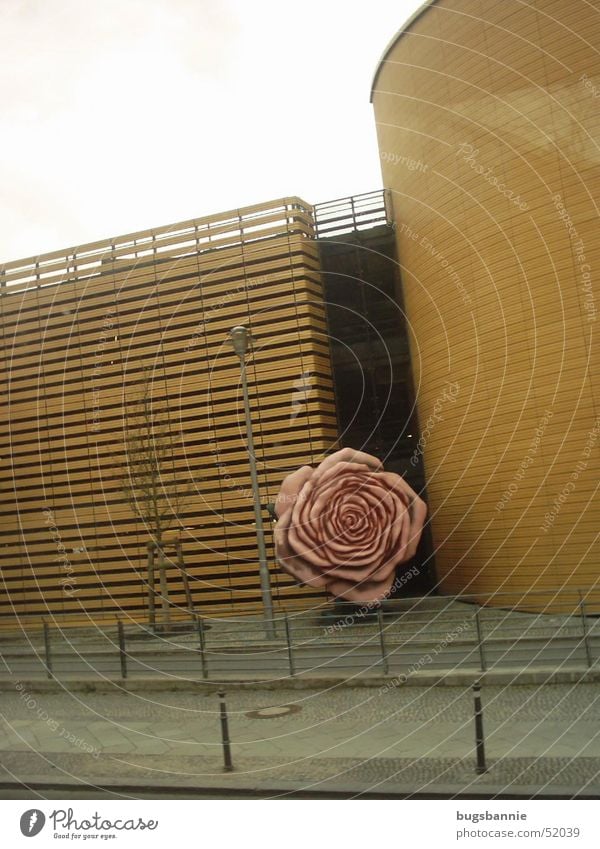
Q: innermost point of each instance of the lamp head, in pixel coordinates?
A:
(240, 339)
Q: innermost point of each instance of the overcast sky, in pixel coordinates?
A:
(119, 115)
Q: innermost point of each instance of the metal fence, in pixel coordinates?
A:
(358, 212)
(345, 642)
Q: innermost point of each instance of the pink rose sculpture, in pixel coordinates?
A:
(346, 525)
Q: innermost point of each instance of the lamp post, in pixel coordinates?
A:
(240, 339)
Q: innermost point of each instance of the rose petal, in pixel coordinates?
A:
(310, 534)
(291, 562)
(371, 591)
(325, 472)
(349, 455)
(290, 489)
(347, 524)
(418, 511)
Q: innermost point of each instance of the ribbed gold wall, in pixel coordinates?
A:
(488, 120)
(78, 327)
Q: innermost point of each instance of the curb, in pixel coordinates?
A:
(442, 678)
(135, 648)
(287, 787)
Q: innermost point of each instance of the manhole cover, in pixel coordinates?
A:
(273, 712)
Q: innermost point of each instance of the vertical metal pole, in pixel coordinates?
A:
(47, 650)
(200, 628)
(289, 646)
(586, 641)
(122, 651)
(384, 657)
(265, 580)
(482, 663)
(228, 764)
(479, 741)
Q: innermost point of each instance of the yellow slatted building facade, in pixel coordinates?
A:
(488, 121)
(79, 329)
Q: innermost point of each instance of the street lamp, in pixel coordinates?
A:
(241, 340)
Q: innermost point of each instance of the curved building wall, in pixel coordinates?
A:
(488, 121)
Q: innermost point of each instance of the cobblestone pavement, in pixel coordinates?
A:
(545, 736)
(360, 776)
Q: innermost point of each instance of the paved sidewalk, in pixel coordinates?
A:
(543, 739)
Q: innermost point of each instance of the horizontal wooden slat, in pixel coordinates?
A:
(73, 354)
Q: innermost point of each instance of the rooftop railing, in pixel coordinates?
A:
(234, 227)
(239, 226)
(358, 212)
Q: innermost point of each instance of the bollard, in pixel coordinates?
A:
(122, 651)
(289, 647)
(228, 765)
(47, 650)
(479, 741)
(384, 657)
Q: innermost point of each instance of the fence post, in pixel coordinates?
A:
(122, 651)
(228, 764)
(586, 642)
(482, 662)
(384, 657)
(47, 651)
(479, 741)
(200, 628)
(288, 637)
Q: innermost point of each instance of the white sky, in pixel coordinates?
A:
(120, 115)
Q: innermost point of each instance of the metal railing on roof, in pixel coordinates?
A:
(234, 227)
(240, 226)
(358, 212)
